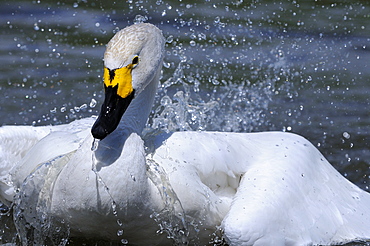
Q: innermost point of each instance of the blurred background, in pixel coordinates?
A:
(295, 66)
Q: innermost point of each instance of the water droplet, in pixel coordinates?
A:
(140, 19)
(133, 177)
(95, 144)
(166, 100)
(119, 222)
(92, 103)
(124, 241)
(114, 208)
(346, 135)
(120, 232)
(166, 64)
(169, 39)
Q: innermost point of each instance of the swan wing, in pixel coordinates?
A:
(269, 187)
(292, 195)
(24, 148)
(15, 142)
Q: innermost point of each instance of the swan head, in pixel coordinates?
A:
(133, 59)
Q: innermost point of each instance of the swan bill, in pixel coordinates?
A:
(112, 110)
(120, 77)
(118, 96)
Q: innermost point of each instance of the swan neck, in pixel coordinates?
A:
(136, 115)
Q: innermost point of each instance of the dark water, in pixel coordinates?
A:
(244, 66)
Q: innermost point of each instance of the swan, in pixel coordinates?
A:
(268, 188)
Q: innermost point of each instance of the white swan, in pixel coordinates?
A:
(268, 188)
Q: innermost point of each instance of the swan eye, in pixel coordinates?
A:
(135, 61)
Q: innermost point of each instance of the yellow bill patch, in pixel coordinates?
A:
(120, 77)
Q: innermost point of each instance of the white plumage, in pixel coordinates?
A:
(268, 188)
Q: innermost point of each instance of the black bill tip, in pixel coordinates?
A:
(111, 113)
(98, 131)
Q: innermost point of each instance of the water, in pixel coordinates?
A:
(94, 161)
(31, 203)
(171, 223)
(265, 65)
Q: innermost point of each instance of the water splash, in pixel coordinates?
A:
(172, 218)
(32, 203)
(226, 103)
(94, 147)
(94, 162)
